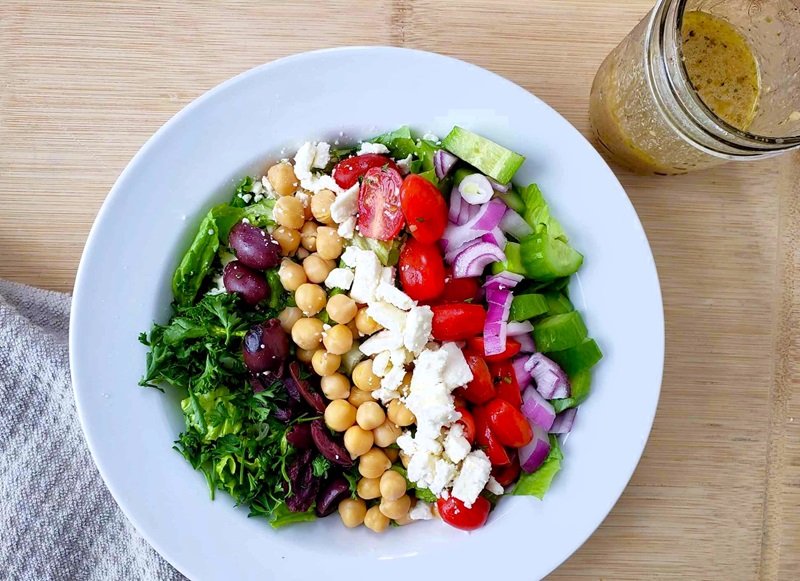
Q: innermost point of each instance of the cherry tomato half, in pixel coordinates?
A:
(457, 290)
(379, 214)
(456, 514)
(347, 172)
(507, 475)
(512, 348)
(481, 388)
(458, 321)
(508, 424)
(424, 208)
(487, 439)
(421, 270)
(505, 382)
(468, 422)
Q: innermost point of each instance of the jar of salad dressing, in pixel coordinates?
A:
(698, 83)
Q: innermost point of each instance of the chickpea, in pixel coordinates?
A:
(366, 325)
(305, 199)
(317, 269)
(288, 239)
(404, 459)
(405, 519)
(329, 243)
(405, 385)
(335, 386)
(302, 253)
(370, 415)
(305, 355)
(307, 333)
(359, 396)
(393, 485)
(369, 488)
(282, 179)
(289, 212)
(392, 454)
(325, 363)
(375, 520)
(288, 317)
(342, 309)
(399, 414)
(340, 415)
(396, 508)
(308, 236)
(386, 434)
(373, 463)
(321, 206)
(338, 339)
(357, 441)
(291, 274)
(352, 511)
(364, 378)
(310, 298)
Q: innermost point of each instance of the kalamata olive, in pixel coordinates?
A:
(254, 247)
(330, 496)
(304, 484)
(265, 347)
(241, 279)
(309, 392)
(290, 386)
(332, 447)
(299, 436)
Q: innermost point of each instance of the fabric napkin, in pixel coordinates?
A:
(57, 519)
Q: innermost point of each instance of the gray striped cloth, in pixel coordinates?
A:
(57, 519)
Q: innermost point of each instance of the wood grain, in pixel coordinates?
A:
(84, 84)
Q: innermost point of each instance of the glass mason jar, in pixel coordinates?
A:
(660, 109)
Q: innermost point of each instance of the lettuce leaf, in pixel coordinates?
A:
(538, 483)
(537, 213)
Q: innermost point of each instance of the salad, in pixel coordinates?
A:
(383, 331)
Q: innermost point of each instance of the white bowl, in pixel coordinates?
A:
(195, 160)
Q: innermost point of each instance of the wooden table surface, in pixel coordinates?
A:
(716, 495)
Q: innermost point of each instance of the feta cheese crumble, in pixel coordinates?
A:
(340, 278)
(472, 479)
(368, 147)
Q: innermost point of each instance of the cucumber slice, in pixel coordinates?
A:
(525, 307)
(350, 360)
(580, 385)
(558, 304)
(492, 159)
(388, 252)
(513, 261)
(579, 358)
(546, 258)
(513, 200)
(559, 332)
(460, 174)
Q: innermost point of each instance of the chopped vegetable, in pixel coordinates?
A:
(492, 159)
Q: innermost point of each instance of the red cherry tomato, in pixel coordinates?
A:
(347, 172)
(424, 208)
(487, 439)
(481, 388)
(507, 475)
(505, 382)
(458, 321)
(512, 348)
(379, 214)
(456, 514)
(468, 422)
(460, 402)
(457, 290)
(421, 270)
(508, 424)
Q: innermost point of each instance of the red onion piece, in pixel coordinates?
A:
(494, 330)
(564, 421)
(476, 189)
(456, 202)
(503, 280)
(495, 237)
(519, 328)
(472, 260)
(526, 343)
(498, 187)
(515, 225)
(524, 378)
(533, 454)
(551, 381)
(443, 162)
(487, 218)
(537, 409)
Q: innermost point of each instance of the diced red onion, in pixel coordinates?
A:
(515, 225)
(443, 162)
(523, 378)
(537, 409)
(487, 218)
(526, 343)
(472, 260)
(455, 205)
(494, 330)
(503, 280)
(519, 328)
(551, 381)
(533, 454)
(476, 189)
(564, 421)
(498, 187)
(496, 237)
